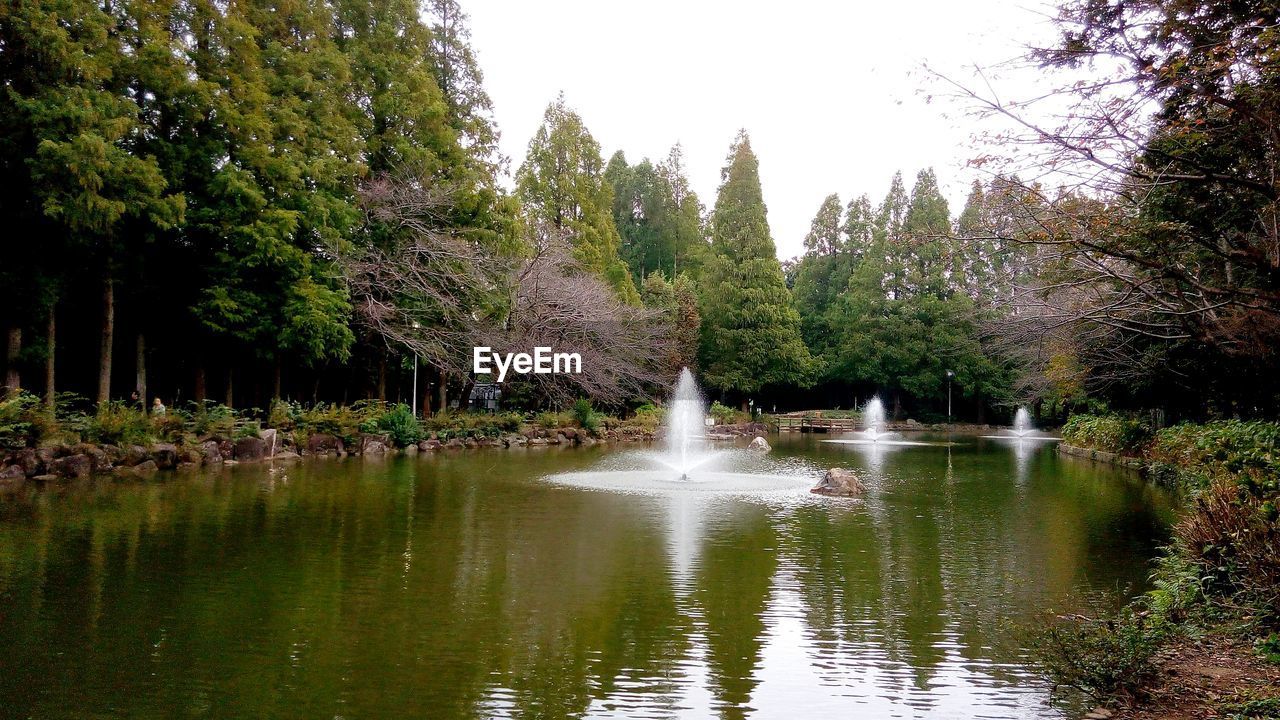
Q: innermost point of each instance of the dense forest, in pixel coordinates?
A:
(248, 201)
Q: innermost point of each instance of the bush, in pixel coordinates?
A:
(118, 423)
(211, 419)
(585, 416)
(648, 417)
(1196, 455)
(550, 420)
(1112, 433)
(401, 425)
(20, 420)
(1100, 658)
(725, 415)
(452, 424)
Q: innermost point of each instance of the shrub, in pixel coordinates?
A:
(117, 423)
(725, 415)
(648, 417)
(1100, 658)
(212, 419)
(1233, 537)
(1112, 433)
(20, 420)
(1196, 455)
(401, 425)
(585, 416)
(550, 420)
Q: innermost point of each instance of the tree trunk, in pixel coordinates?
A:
(982, 410)
(231, 373)
(897, 407)
(201, 389)
(108, 335)
(382, 377)
(13, 379)
(464, 400)
(141, 383)
(51, 347)
(276, 380)
(443, 392)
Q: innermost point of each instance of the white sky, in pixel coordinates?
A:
(833, 93)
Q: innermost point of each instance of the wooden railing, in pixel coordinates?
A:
(816, 424)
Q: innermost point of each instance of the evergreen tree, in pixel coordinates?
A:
(688, 238)
(751, 334)
(824, 232)
(561, 183)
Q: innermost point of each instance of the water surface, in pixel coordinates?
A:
(467, 585)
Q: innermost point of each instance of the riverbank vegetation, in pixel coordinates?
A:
(1219, 579)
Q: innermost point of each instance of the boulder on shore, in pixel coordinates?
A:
(839, 482)
(249, 449)
(165, 455)
(759, 443)
(322, 443)
(72, 466)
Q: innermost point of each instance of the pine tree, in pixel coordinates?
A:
(824, 232)
(561, 183)
(751, 334)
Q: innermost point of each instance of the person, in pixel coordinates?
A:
(157, 408)
(135, 400)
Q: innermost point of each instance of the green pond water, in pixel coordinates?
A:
(469, 585)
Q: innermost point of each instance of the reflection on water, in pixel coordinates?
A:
(464, 585)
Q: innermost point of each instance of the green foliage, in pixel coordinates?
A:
(19, 420)
(1247, 453)
(648, 417)
(118, 423)
(399, 423)
(751, 331)
(585, 416)
(1111, 433)
(1269, 648)
(561, 184)
(725, 415)
(1255, 709)
(452, 424)
(1100, 658)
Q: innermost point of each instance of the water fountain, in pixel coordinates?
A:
(686, 428)
(1022, 429)
(873, 432)
(684, 463)
(873, 419)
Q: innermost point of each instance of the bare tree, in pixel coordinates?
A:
(1162, 145)
(436, 291)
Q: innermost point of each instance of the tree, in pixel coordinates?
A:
(561, 184)
(751, 336)
(1165, 235)
(67, 122)
(824, 232)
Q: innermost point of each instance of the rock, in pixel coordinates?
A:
(249, 449)
(191, 456)
(165, 455)
(47, 454)
(187, 467)
(12, 472)
(146, 468)
(96, 455)
(115, 453)
(29, 461)
(286, 455)
(453, 443)
(759, 443)
(46, 478)
(211, 452)
(839, 482)
(558, 439)
(470, 442)
(429, 445)
(134, 454)
(72, 466)
(270, 437)
(373, 444)
(914, 424)
(320, 444)
(411, 450)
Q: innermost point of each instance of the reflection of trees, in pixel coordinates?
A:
(461, 591)
(739, 561)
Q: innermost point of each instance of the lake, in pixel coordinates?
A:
(468, 584)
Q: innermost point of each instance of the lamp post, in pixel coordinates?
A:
(416, 326)
(949, 376)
